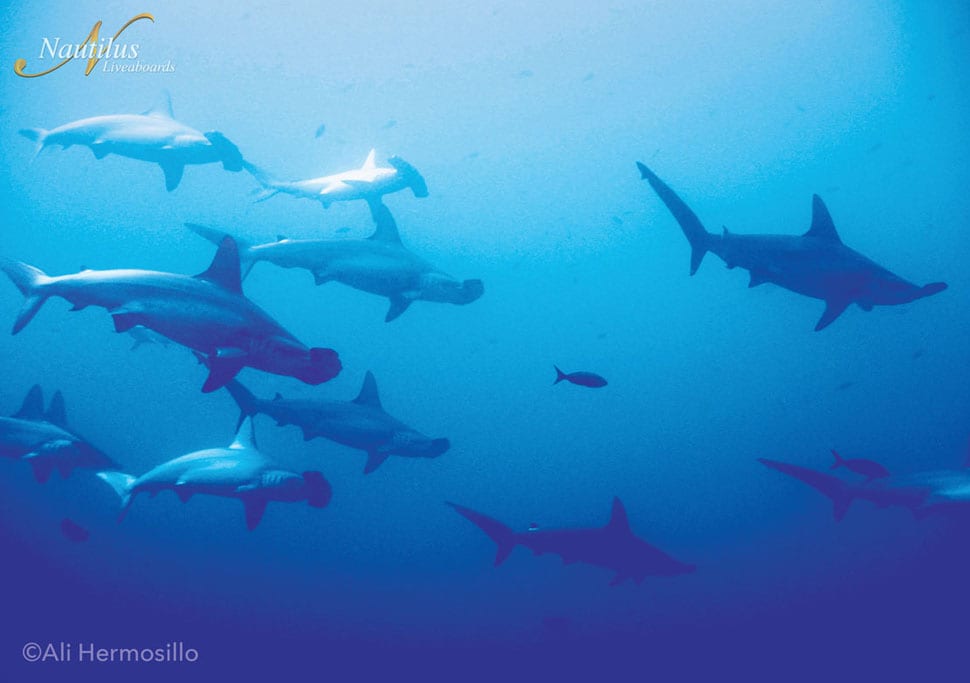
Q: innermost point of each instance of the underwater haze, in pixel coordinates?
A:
(526, 120)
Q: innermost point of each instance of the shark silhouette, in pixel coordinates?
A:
(43, 439)
(207, 313)
(816, 264)
(379, 264)
(361, 423)
(613, 546)
(154, 136)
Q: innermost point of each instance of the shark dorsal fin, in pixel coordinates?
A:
(245, 437)
(618, 520)
(56, 412)
(224, 269)
(162, 108)
(822, 226)
(369, 162)
(33, 405)
(368, 395)
(385, 227)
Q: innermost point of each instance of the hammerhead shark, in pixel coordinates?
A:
(361, 423)
(238, 471)
(613, 546)
(379, 264)
(154, 136)
(207, 313)
(44, 439)
(368, 182)
(816, 264)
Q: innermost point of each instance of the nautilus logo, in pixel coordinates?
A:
(115, 54)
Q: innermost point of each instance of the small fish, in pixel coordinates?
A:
(73, 531)
(588, 77)
(525, 73)
(342, 231)
(845, 385)
(533, 527)
(390, 124)
(867, 468)
(583, 379)
(321, 129)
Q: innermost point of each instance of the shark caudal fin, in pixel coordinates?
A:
(560, 375)
(832, 487)
(503, 536)
(37, 136)
(699, 238)
(122, 484)
(29, 281)
(244, 398)
(271, 184)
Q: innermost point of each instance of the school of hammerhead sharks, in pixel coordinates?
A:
(209, 314)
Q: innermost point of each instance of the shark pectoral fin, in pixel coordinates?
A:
(399, 304)
(184, 493)
(125, 320)
(173, 174)
(42, 468)
(374, 460)
(99, 149)
(833, 309)
(320, 277)
(221, 371)
(255, 507)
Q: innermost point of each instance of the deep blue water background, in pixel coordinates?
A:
(526, 122)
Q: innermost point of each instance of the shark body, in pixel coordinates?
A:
(238, 471)
(43, 439)
(361, 423)
(613, 546)
(207, 313)
(154, 136)
(816, 264)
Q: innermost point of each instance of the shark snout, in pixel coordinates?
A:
(472, 290)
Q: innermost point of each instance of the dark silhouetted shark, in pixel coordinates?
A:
(613, 546)
(154, 136)
(816, 264)
(911, 496)
(379, 264)
(361, 423)
(870, 469)
(238, 471)
(207, 313)
(44, 440)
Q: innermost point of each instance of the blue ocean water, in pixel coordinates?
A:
(526, 120)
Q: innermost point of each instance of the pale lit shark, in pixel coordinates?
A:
(238, 471)
(613, 546)
(44, 439)
(154, 136)
(207, 313)
(379, 264)
(369, 182)
(816, 264)
(361, 423)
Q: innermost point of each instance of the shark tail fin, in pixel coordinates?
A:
(699, 238)
(271, 185)
(29, 281)
(503, 536)
(560, 375)
(244, 398)
(839, 461)
(122, 484)
(36, 135)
